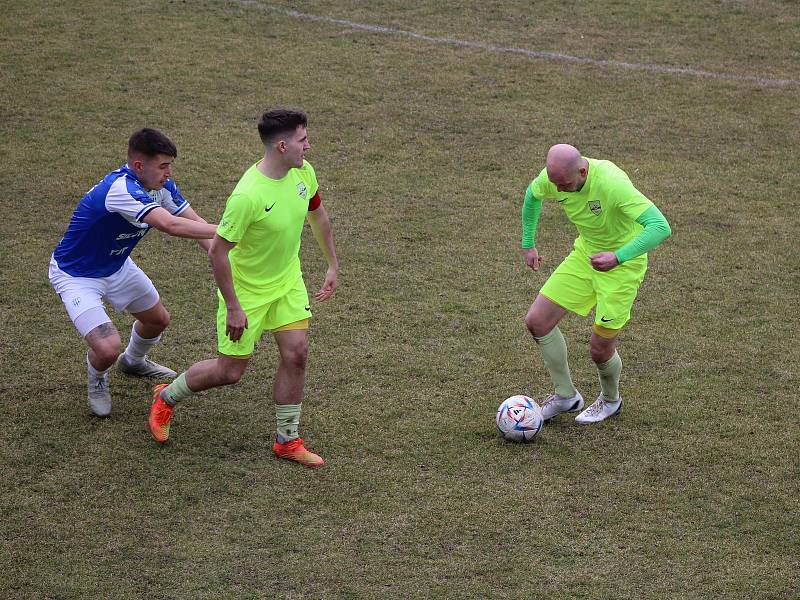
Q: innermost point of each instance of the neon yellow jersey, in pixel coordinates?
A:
(265, 218)
(604, 210)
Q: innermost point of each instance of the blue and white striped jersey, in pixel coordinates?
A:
(107, 223)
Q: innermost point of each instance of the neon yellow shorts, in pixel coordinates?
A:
(290, 311)
(576, 286)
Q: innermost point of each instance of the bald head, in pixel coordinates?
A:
(566, 168)
(562, 156)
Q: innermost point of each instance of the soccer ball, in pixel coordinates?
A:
(519, 419)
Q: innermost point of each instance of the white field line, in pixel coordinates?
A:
(542, 54)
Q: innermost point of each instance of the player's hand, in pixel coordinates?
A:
(235, 324)
(328, 286)
(532, 258)
(603, 261)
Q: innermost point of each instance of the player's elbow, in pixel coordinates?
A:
(217, 257)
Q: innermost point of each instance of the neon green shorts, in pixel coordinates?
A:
(292, 307)
(576, 286)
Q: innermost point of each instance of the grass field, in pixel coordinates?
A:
(424, 135)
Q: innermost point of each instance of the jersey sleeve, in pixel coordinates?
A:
(170, 198)
(128, 198)
(310, 178)
(630, 201)
(240, 212)
(541, 187)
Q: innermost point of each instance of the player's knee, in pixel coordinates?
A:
(531, 323)
(597, 354)
(296, 357)
(229, 371)
(602, 344)
(230, 376)
(107, 352)
(161, 320)
(601, 353)
(233, 377)
(535, 325)
(105, 344)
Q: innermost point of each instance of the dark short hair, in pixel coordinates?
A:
(279, 120)
(151, 142)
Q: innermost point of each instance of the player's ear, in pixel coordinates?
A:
(281, 146)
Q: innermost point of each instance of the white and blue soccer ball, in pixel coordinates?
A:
(519, 419)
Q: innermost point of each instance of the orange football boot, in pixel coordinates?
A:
(296, 451)
(160, 416)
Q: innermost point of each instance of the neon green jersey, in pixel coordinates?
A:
(604, 210)
(265, 218)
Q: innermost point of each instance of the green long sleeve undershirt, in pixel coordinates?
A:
(531, 209)
(656, 229)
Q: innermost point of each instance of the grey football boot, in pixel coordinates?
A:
(146, 368)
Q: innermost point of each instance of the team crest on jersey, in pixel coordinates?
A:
(594, 206)
(301, 190)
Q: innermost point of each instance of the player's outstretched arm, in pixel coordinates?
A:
(323, 233)
(161, 219)
(236, 320)
(189, 213)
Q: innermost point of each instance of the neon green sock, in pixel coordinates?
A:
(608, 373)
(553, 347)
(288, 417)
(177, 390)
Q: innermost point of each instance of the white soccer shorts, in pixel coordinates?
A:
(129, 289)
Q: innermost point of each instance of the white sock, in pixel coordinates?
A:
(94, 373)
(139, 346)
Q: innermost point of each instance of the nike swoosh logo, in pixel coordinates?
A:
(604, 320)
(308, 308)
(562, 200)
(270, 208)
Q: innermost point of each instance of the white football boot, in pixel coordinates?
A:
(600, 410)
(99, 396)
(146, 368)
(555, 405)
